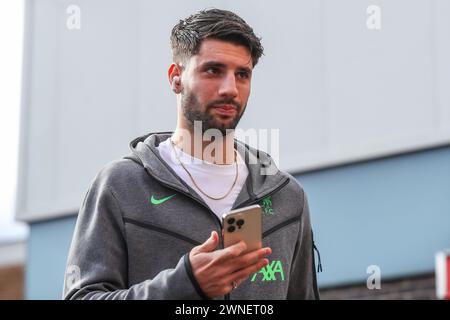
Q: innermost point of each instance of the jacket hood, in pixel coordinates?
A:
(264, 176)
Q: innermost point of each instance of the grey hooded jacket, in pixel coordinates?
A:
(126, 247)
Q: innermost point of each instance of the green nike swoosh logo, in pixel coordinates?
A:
(159, 201)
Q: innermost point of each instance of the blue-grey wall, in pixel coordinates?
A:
(394, 213)
(48, 245)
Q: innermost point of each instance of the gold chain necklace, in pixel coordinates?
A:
(192, 178)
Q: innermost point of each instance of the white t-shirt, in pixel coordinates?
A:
(215, 180)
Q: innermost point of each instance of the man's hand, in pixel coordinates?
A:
(216, 270)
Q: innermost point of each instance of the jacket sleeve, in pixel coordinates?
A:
(303, 282)
(97, 261)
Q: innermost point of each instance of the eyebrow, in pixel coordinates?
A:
(222, 65)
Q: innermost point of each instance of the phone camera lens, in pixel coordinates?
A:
(231, 221)
(231, 229)
(240, 223)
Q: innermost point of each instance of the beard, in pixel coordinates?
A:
(193, 111)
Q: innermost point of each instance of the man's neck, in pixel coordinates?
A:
(220, 151)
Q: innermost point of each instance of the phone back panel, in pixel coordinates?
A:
(243, 224)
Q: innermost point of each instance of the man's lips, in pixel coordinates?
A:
(225, 109)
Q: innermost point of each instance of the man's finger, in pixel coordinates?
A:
(232, 251)
(209, 245)
(248, 259)
(248, 271)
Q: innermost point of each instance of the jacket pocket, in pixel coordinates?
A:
(161, 230)
(281, 225)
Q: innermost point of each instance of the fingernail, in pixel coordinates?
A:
(268, 251)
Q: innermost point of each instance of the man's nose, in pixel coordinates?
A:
(228, 86)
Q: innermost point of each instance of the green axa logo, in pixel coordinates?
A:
(156, 201)
(266, 205)
(272, 272)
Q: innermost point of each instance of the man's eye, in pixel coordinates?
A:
(243, 75)
(212, 70)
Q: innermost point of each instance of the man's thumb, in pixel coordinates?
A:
(210, 244)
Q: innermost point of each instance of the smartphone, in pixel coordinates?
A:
(243, 224)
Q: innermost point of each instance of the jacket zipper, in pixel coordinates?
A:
(161, 230)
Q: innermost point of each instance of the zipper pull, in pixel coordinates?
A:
(319, 266)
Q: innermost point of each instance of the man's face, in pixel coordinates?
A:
(216, 85)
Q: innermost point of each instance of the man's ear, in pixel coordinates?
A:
(174, 74)
(173, 71)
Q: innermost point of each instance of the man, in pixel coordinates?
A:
(141, 229)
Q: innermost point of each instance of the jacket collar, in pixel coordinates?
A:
(258, 184)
